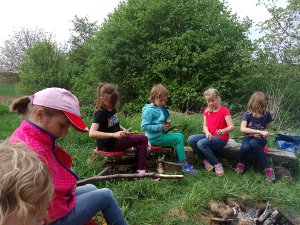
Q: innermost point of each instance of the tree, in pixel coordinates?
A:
(282, 36)
(278, 61)
(80, 49)
(44, 66)
(82, 30)
(187, 45)
(14, 49)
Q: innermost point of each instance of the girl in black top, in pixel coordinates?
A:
(110, 135)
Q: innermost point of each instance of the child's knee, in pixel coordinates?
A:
(203, 143)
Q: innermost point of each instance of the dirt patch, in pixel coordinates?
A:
(8, 99)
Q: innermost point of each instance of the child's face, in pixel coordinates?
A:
(106, 103)
(56, 125)
(160, 101)
(212, 101)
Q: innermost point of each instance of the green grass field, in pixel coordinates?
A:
(8, 89)
(148, 202)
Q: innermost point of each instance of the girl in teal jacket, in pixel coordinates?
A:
(155, 123)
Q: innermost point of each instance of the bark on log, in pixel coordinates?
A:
(127, 176)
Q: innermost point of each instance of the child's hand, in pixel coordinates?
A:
(120, 134)
(221, 131)
(208, 135)
(168, 122)
(166, 126)
(264, 133)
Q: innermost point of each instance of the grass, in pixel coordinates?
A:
(8, 89)
(146, 202)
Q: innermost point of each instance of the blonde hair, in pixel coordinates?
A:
(25, 184)
(257, 104)
(212, 92)
(158, 91)
(24, 107)
(108, 92)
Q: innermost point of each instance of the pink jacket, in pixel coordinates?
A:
(59, 163)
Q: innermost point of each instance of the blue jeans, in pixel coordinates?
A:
(89, 201)
(257, 145)
(204, 148)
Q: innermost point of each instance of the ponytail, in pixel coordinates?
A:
(20, 105)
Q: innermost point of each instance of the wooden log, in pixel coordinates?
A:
(171, 166)
(127, 176)
(190, 155)
(278, 157)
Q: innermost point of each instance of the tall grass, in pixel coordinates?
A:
(148, 202)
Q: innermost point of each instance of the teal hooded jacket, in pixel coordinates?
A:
(153, 118)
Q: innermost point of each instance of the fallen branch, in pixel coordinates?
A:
(104, 171)
(127, 176)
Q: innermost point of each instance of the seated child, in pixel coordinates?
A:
(49, 114)
(155, 122)
(217, 124)
(110, 135)
(255, 125)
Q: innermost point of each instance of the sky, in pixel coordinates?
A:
(55, 16)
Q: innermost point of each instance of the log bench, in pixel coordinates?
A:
(278, 157)
(127, 160)
(282, 161)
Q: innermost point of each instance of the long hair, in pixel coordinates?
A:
(106, 92)
(212, 92)
(26, 186)
(258, 103)
(158, 91)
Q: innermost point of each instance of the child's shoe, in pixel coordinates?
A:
(188, 168)
(240, 168)
(141, 171)
(207, 165)
(219, 169)
(270, 175)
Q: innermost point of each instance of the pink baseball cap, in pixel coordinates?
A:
(61, 99)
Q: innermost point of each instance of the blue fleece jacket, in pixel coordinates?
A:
(153, 118)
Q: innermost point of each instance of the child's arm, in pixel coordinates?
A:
(147, 123)
(246, 130)
(205, 129)
(95, 133)
(230, 126)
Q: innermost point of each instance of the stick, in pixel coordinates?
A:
(127, 176)
(249, 135)
(104, 171)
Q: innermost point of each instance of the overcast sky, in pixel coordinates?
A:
(55, 16)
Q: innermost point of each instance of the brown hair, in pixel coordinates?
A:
(26, 186)
(158, 91)
(257, 104)
(24, 107)
(212, 92)
(108, 92)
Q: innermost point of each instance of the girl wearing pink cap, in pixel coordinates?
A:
(50, 113)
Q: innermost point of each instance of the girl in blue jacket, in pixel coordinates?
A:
(155, 123)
